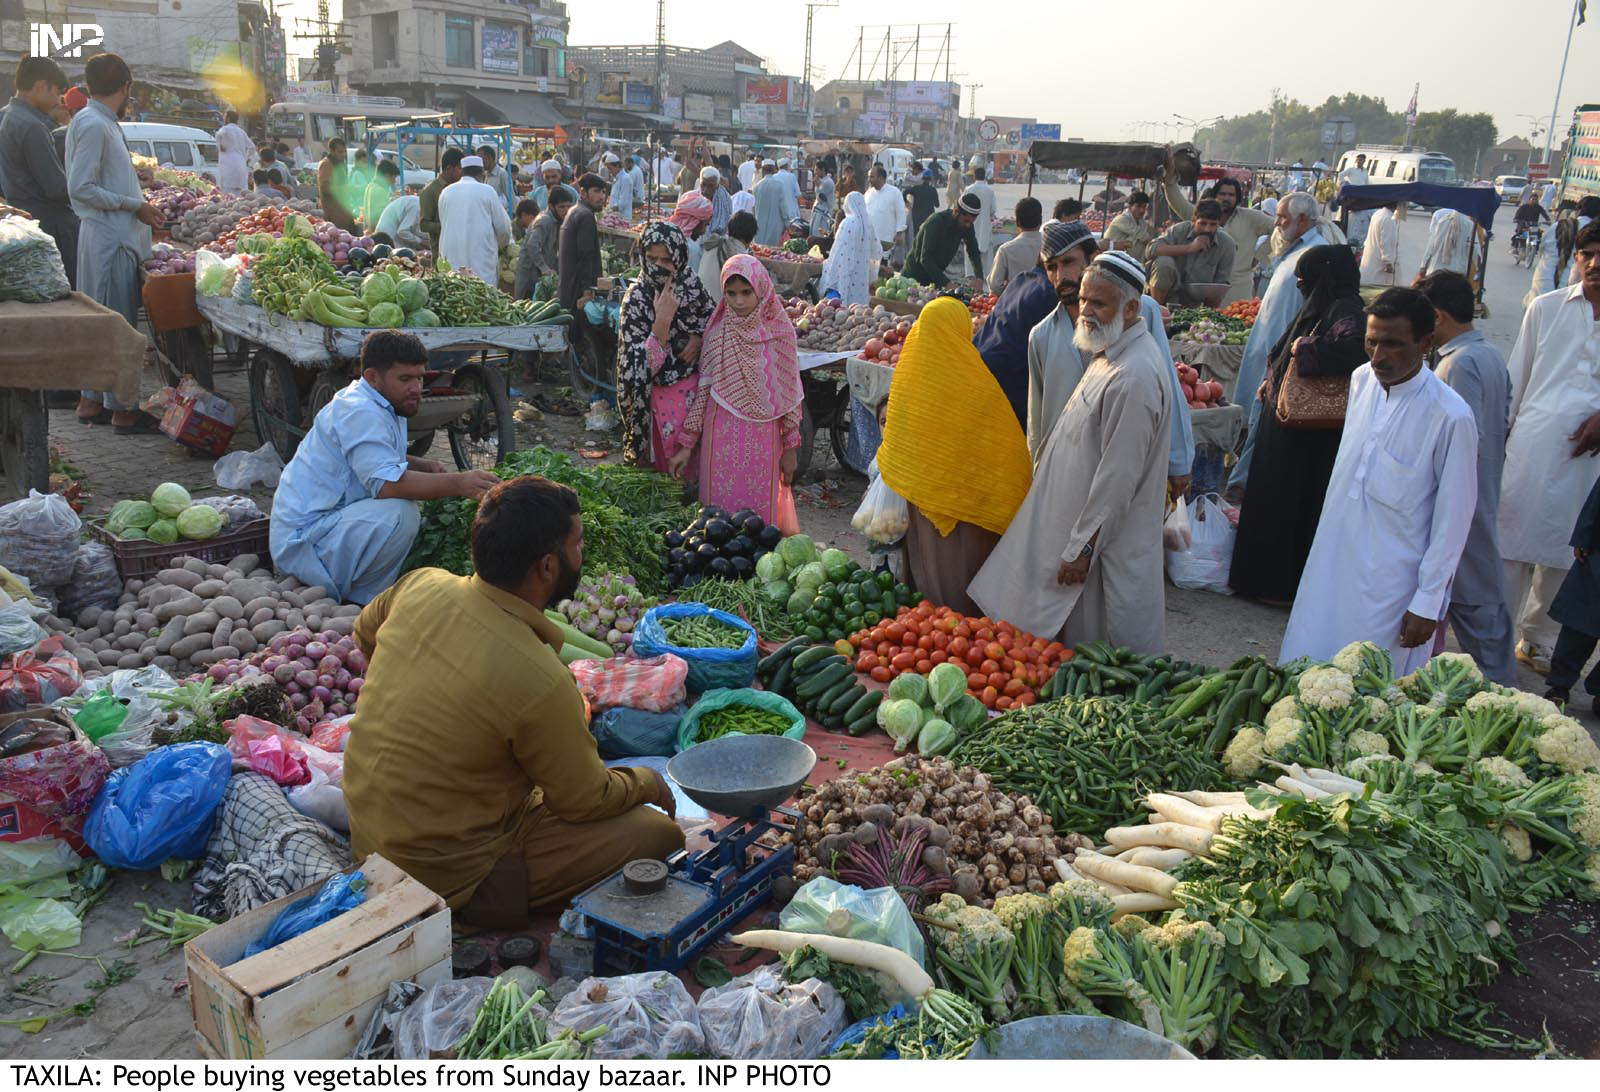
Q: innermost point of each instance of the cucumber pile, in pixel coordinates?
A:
(1097, 669)
(822, 684)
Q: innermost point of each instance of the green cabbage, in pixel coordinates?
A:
(909, 686)
(164, 531)
(386, 314)
(377, 288)
(116, 519)
(810, 576)
(800, 601)
(837, 564)
(797, 550)
(778, 591)
(423, 317)
(296, 226)
(411, 293)
(169, 498)
(967, 714)
(209, 282)
(133, 533)
(771, 567)
(199, 521)
(139, 515)
(902, 720)
(946, 683)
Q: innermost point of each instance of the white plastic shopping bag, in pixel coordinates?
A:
(1175, 533)
(1205, 565)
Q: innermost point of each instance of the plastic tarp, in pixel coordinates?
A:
(1478, 202)
(1128, 159)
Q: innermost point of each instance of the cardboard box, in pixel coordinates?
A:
(198, 419)
(311, 997)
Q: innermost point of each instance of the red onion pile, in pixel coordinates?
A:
(321, 672)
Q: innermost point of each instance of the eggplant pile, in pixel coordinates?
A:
(718, 544)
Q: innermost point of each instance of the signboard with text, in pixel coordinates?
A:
(699, 107)
(501, 50)
(754, 115)
(638, 96)
(1039, 132)
(767, 90)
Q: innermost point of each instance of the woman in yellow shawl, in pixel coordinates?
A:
(960, 496)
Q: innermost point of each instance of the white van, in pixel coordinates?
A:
(174, 146)
(1392, 163)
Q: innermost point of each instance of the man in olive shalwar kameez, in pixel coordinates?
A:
(1083, 556)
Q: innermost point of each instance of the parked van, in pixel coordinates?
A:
(174, 146)
(1394, 163)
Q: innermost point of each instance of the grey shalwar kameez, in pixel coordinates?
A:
(105, 193)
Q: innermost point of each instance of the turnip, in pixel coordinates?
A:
(329, 664)
(298, 700)
(341, 679)
(357, 662)
(283, 674)
(296, 650)
(338, 709)
(233, 677)
(315, 649)
(307, 678)
(355, 686)
(219, 672)
(321, 693)
(325, 681)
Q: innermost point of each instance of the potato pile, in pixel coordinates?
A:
(195, 614)
(829, 327)
(218, 214)
(995, 844)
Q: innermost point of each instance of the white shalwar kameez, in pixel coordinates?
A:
(474, 226)
(1382, 247)
(1104, 469)
(1396, 517)
(1555, 388)
(1450, 237)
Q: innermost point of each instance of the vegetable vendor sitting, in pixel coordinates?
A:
(470, 764)
(345, 513)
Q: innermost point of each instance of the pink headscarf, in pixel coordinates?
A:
(750, 362)
(693, 209)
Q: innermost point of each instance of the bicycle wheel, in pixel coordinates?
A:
(275, 402)
(485, 434)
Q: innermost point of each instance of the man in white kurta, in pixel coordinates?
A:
(1380, 254)
(1450, 236)
(1399, 504)
(1555, 407)
(1083, 556)
(474, 223)
(233, 155)
(1356, 175)
(983, 227)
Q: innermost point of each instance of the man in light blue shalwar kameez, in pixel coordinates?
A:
(345, 513)
(114, 218)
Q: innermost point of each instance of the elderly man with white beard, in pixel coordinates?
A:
(1082, 559)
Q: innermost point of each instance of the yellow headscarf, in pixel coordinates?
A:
(943, 392)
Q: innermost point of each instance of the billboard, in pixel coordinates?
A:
(638, 96)
(906, 109)
(699, 107)
(501, 49)
(1039, 132)
(754, 115)
(767, 90)
(932, 91)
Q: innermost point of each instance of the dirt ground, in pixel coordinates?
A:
(106, 1000)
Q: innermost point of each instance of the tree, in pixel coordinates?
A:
(1463, 137)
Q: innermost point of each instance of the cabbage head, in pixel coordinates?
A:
(164, 531)
(770, 567)
(198, 521)
(117, 518)
(411, 294)
(386, 314)
(169, 498)
(132, 534)
(422, 317)
(810, 577)
(837, 564)
(377, 288)
(797, 550)
(909, 686)
(945, 687)
(902, 719)
(778, 591)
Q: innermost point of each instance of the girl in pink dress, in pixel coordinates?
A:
(744, 415)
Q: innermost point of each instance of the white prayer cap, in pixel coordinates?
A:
(765, 163)
(550, 165)
(710, 174)
(471, 161)
(611, 157)
(783, 162)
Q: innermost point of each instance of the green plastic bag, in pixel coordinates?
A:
(30, 923)
(101, 715)
(689, 727)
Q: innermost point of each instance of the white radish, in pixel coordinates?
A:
(1140, 902)
(1170, 835)
(1301, 788)
(858, 953)
(1064, 871)
(1164, 859)
(1175, 809)
(1212, 799)
(1131, 876)
(1337, 782)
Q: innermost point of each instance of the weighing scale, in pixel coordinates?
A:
(661, 915)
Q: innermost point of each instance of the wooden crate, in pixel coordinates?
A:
(311, 997)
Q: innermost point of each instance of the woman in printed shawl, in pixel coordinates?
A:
(745, 414)
(664, 317)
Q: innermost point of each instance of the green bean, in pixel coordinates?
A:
(742, 718)
(704, 631)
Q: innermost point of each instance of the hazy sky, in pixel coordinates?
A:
(1476, 58)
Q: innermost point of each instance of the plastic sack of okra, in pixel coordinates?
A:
(749, 712)
(709, 667)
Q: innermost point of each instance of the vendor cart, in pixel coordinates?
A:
(825, 405)
(793, 278)
(69, 343)
(297, 367)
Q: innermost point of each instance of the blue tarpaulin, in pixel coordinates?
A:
(1478, 202)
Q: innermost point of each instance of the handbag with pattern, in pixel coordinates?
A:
(1312, 402)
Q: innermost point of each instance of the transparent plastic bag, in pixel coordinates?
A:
(825, 905)
(649, 1015)
(322, 798)
(236, 510)
(759, 1015)
(439, 1019)
(378, 1041)
(882, 515)
(242, 469)
(18, 630)
(1175, 532)
(39, 538)
(134, 738)
(30, 263)
(95, 581)
(24, 863)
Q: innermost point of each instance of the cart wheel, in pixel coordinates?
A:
(483, 436)
(590, 378)
(420, 444)
(808, 440)
(24, 455)
(839, 428)
(189, 355)
(275, 402)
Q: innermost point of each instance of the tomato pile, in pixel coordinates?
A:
(1005, 666)
(267, 221)
(982, 305)
(1200, 393)
(1244, 310)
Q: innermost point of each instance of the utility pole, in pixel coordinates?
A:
(1272, 138)
(974, 87)
(661, 56)
(1550, 134)
(811, 94)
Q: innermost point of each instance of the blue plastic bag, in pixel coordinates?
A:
(858, 1031)
(709, 668)
(339, 894)
(160, 807)
(633, 733)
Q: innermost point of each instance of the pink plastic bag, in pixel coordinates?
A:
(271, 757)
(38, 676)
(331, 735)
(654, 684)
